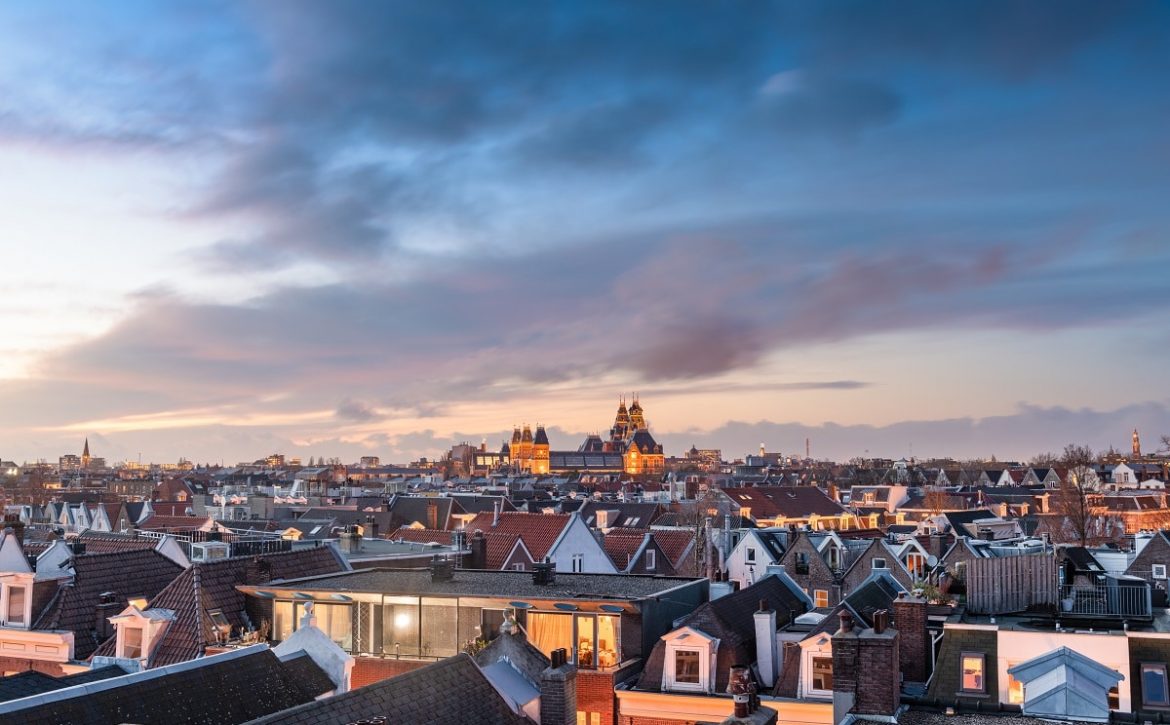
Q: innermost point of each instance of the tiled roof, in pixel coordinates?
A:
(621, 547)
(499, 544)
(453, 691)
(538, 531)
(159, 522)
(675, 543)
(222, 690)
(206, 587)
(103, 543)
(788, 501)
(128, 574)
(31, 683)
(171, 508)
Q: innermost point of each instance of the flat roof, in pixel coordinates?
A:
(483, 583)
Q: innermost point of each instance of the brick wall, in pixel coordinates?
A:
(914, 647)
(368, 670)
(18, 665)
(945, 684)
(631, 720)
(878, 689)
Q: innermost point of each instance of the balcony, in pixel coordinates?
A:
(1113, 598)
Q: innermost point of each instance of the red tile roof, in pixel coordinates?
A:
(499, 544)
(159, 522)
(622, 546)
(675, 544)
(538, 531)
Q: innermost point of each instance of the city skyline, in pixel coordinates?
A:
(345, 229)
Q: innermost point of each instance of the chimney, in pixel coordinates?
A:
(442, 570)
(13, 522)
(107, 606)
(478, 546)
(432, 515)
(77, 546)
(497, 506)
(544, 572)
(767, 654)
(558, 691)
(743, 691)
(914, 649)
(864, 664)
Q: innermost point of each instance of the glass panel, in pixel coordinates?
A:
(586, 651)
(822, 673)
(1154, 685)
(470, 625)
(16, 605)
(336, 620)
(400, 630)
(439, 622)
(1015, 689)
(973, 673)
(608, 645)
(548, 632)
(282, 614)
(686, 667)
(490, 622)
(132, 643)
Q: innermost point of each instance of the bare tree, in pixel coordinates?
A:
(1076, 501)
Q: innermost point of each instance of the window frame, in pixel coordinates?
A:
(873, 563)
(1154, 568)
(1159, 667)
(677, 684)
(817, 597)
(651, 559)
(963, 689)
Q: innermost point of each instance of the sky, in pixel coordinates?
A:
(350, 228)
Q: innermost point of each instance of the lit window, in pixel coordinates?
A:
(822, 597)
(139, 602)
(972, 673)
(822, 668)
(1015, 688)
(132, 642)
(1154, 685)
(686, 667)
(15, 605)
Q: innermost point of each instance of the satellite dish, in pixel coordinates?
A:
(932, 560)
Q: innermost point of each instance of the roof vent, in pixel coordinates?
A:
(544, 573)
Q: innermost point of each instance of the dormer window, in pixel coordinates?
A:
(131, 643)
(14, 611)
(879, 563)
(651, 559)
(688, 661)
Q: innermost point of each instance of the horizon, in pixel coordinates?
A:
(350, 229)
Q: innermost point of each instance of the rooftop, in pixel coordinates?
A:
(470, 582)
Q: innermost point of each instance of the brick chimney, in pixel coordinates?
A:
(558, 691)
(478, 546)
(914, 648)
(866, 679)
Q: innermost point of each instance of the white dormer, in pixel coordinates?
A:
(139, 631)
(689, 665)
(816, 668)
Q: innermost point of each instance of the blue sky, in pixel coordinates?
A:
(348, 228)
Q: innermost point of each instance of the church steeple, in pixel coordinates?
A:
(85, 454)
(1137, 444)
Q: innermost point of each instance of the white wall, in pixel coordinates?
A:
(1111, 650)
(578, 539)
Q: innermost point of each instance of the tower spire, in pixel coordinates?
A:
(1137, 444)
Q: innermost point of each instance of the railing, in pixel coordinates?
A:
(1108, 600)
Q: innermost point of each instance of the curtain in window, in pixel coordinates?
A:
(548, 632)
(16, 605)
(608, 646)
(439, 621)
(282, 625)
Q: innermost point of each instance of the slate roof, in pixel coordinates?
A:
(453, 691)
(730, 619)
(159, 522)
(633, 515)
(539, 531)
(222, 690)
(406, 510)
(792, 502)
(206, 587)
(128, 574)
(474, 503)
(32, 682)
